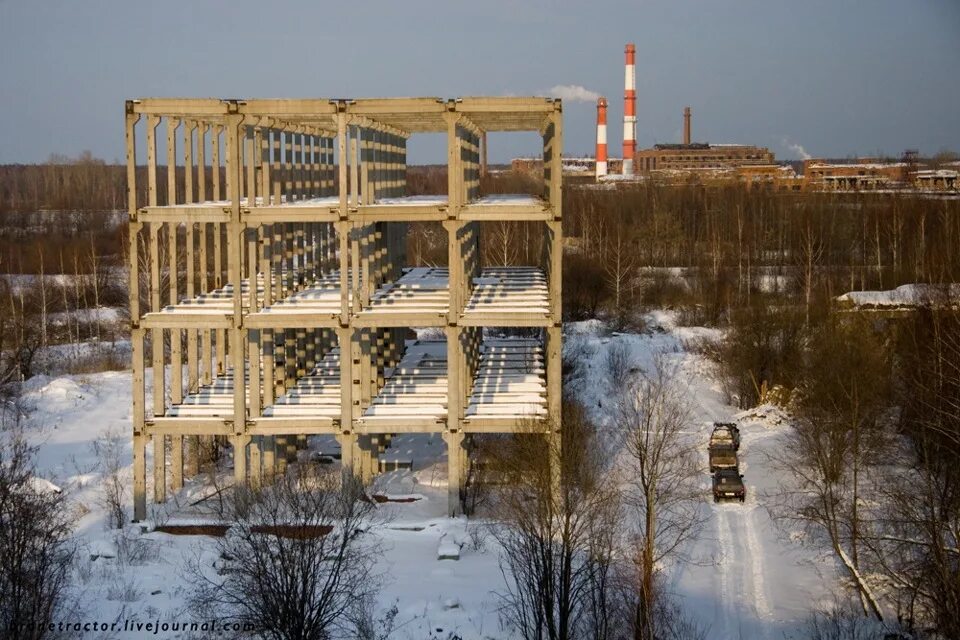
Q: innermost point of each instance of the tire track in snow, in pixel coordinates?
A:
(739, 556)
(761, 603)
(744, 575)
(726, 606)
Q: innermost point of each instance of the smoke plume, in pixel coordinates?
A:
(573, 93)
(796, 148)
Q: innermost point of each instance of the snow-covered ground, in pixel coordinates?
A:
(904, 296)
(746, 578)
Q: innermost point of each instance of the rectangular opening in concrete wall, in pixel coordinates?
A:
(299, 380)
(380, 133)
(288, 373)
(427, 164)
(404, 380)
(203, 156)
(514, 162)
(286, 270)
(426, 245)
(528, 129)
(508, 380)
(511, 273)
(403, 274)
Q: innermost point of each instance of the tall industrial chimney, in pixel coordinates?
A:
(629, 111)
(601, 137)
(686, 125)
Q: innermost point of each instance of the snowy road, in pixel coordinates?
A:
(745, 579)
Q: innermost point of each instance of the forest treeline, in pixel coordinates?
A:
(717, 249)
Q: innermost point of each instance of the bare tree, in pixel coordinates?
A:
(502, 245)
(43, 299)
(839, 435)
(620, 267)
(662, 479)
(111, 458)
(811, 251)
(619, 363)
(66, 303)
(842, 621)
(20, 336)
(916, 536)
(95, 273)
(557, 534)
(297, 559)
(35, 525)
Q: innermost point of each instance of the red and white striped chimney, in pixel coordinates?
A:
(601, 137)
(629, 110)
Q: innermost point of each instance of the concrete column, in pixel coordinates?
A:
(139, 477)
(554, 444)
(366, 458)
(255, 461)
(239, 443)
(454, 376)
(346, 438)
(176, 462)
(455, 262)
(348, 445)
(456, 477)
(280, 454)
(268, 457)
(483, 154)
(139, 439)
(192, 461)
(159, 468)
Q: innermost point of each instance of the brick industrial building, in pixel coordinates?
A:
(690, 155)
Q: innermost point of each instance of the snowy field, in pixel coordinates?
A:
(745, 578)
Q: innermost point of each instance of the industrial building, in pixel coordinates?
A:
(869, 174)
(684, 157)
(690, 155)
(275, 302)
(859, 175)
(706, 163)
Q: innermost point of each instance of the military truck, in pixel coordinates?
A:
(728, 485)
(722, 456)
(725, 433)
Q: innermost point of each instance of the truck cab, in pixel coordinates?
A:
(728, 485)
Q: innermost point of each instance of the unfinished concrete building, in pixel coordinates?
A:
(270, 299)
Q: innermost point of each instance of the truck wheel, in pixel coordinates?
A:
(742, 498)
(716, 499)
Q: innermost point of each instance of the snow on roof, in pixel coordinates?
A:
(859, 165)
(937, 173)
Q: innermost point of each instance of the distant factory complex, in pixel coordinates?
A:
(706, 163)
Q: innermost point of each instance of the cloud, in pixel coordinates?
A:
(796, 148)
(573, 93)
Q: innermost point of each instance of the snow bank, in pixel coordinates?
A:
(908, 295)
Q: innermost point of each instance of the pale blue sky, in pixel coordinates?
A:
(839, 77)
